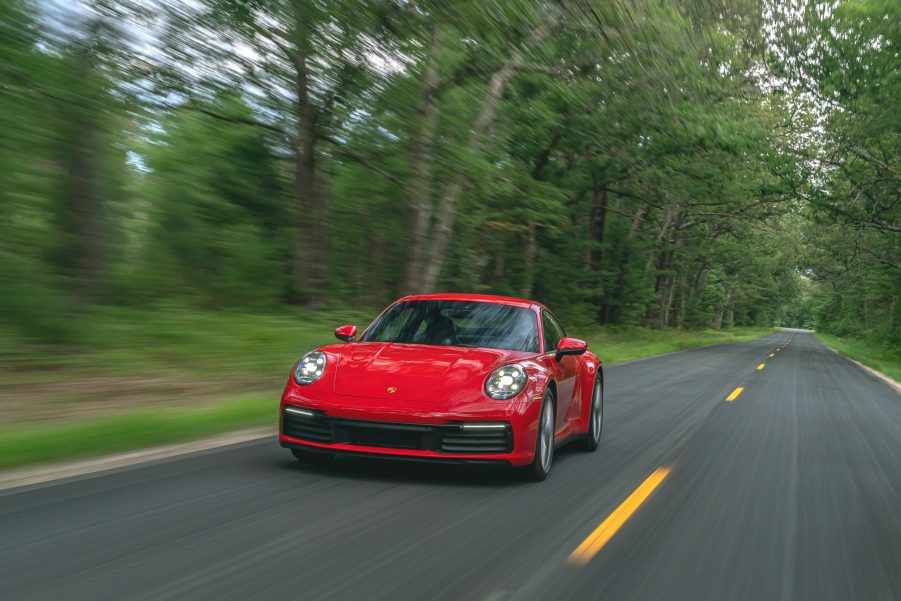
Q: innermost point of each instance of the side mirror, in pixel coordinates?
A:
(570, 346)
(346, 333)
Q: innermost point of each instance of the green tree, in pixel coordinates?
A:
(218, 223)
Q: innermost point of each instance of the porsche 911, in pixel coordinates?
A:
(459, 378)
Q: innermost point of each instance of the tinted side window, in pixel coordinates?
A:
(553, 333)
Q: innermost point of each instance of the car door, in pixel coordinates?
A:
(564, 370)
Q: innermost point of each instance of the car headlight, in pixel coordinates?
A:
(310, 368)
(506, 382)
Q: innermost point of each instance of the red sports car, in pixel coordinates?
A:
(459, 378)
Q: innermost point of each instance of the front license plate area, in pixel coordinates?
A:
(377, 437)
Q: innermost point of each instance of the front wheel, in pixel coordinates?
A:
(544, 442)
(595, 417)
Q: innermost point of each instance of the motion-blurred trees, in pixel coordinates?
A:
(844, 60)
(63, 164)
(217, 224)
(694, 164)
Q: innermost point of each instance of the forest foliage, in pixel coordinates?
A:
(697, 164)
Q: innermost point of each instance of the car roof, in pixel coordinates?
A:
(485, 298)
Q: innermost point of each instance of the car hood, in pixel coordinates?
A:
(412, 372)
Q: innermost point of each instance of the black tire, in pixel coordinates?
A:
(595, 417)
(311, 458)
(541, 465)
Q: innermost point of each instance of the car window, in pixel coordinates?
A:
(405, 319)
(553, 333)
(457, 323)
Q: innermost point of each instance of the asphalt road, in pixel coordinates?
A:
(790, 491)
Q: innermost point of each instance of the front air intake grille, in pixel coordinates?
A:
(477, 441)
(313, 427)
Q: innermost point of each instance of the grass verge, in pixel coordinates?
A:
(617, 344)
(75, 440)
(878, 357)
(176, 340)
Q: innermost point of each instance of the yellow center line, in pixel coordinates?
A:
(603, 533)
(772, 354)
(734, 394)
(761, 366)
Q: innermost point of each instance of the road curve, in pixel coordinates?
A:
(792, 490)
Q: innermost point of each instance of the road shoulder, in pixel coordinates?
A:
(876, 374)
(39, 474)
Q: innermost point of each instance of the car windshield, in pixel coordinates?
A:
(457, 323)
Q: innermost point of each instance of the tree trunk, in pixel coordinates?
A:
(661, 261)
(669, 220)
(694, 287)
(596, 225)
(638, 221)
(85, 207)
(82, 202)
(375, 257)
(311, 244)
(447, 211)
(499, 265)
(664, 289)
(531, 251)
(612, 312)
(420, 201)
(721, 311)
(683, 299)
(893, 307)
(666, 309)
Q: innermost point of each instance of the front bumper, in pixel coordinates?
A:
(308, 448)
(503, 437)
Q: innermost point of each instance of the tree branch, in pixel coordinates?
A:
(344, 151)
(231, 119)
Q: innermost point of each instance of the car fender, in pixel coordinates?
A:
(591, 367)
